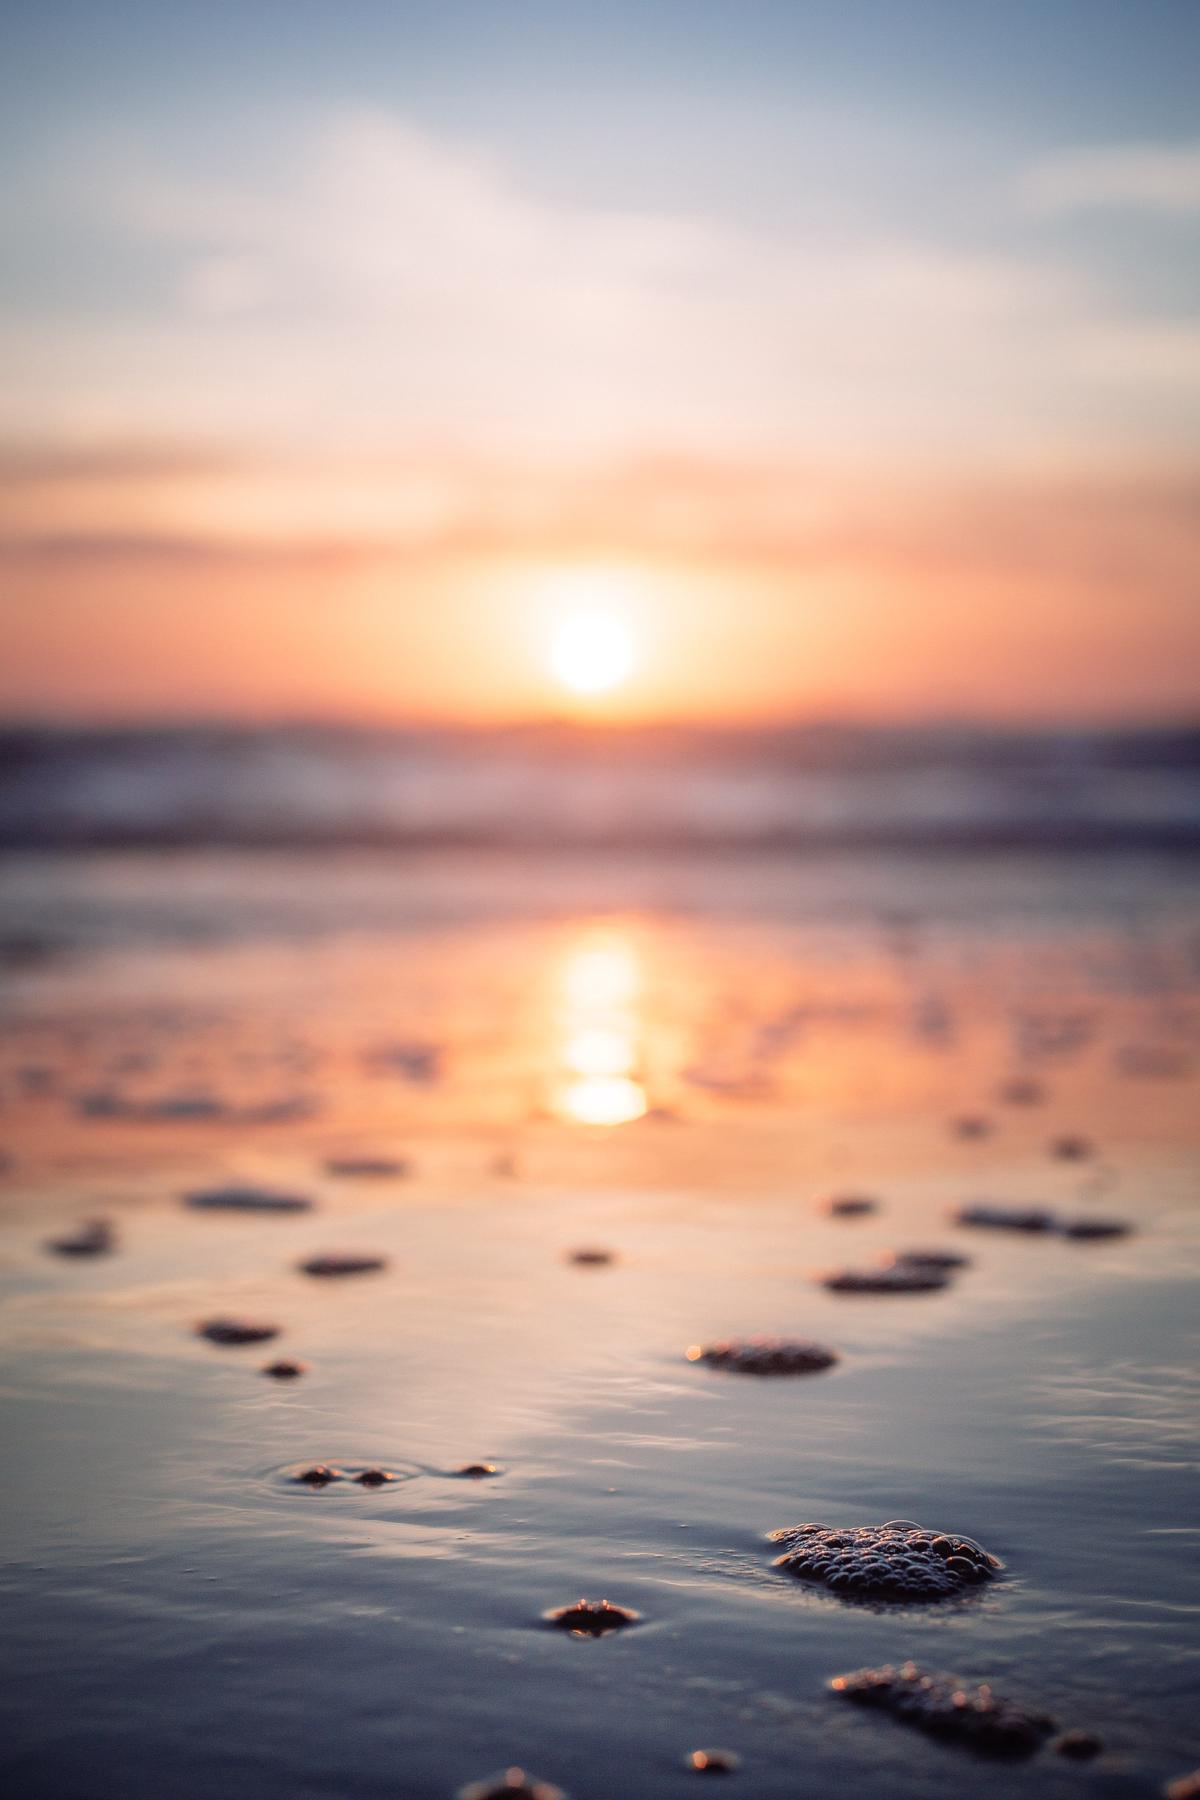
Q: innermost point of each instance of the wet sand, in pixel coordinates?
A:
(475, 1072)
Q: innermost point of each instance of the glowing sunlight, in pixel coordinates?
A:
(592, 652)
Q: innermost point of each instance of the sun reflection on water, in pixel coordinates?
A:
(600, 1048)
(602, 1100)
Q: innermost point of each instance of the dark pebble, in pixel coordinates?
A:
(101, 1103)
(236, 1331)
(928, 1259)
(416, 1062)
(335, 1263)
(1152, 1062)
(367, 1168)
(95, 1237)
(897, 1278)
(246, 1199)
(183, 1106)
(1085, 1227)
(1005, 1218)
(37, 1078)
(285, 1371)
(764, 1356)
(849, 1206)
(970, 1128)
(1022, 1090)
(285, 1110)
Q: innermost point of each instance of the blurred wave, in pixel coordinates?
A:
(819, 786)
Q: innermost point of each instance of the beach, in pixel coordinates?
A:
(599, 901)
(475, 1066)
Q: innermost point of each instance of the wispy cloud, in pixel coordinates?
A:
(1141, 353)
(367, 281)
(1148, 178)
(1109, 526)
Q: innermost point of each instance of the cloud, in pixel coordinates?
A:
(1125, 525)
(49, 464)
(1140, 353)
(224, 286)
(366, 281)
(1147, 178)
(354, 283)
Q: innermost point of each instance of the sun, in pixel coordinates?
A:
(592, 652)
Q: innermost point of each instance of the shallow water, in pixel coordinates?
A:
(180, 1615)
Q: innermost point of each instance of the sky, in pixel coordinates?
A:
(847, 355)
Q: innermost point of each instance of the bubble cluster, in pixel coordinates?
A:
(323, 1475)
(511, 1784)
(591, 1618)
(318, 1476)
(948, 1708)
(1078, 1746)
(712, 1762)
(897, 1561)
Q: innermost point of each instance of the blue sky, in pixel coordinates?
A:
(691, 103)
(912, 119)
(1052, 69)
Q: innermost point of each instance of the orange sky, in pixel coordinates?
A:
(146, 585)
(852, 387)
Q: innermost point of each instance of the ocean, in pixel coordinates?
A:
(485, 1005)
